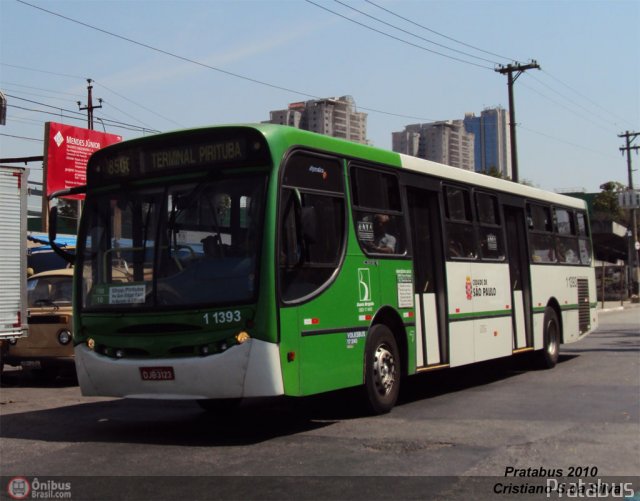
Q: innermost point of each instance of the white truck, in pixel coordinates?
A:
(13, 252)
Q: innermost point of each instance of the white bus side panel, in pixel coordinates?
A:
(461, 343)
(480, 311)
(518, 307)
(561, 284)
(431, 326)
(419, 333)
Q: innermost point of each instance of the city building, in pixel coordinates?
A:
(446, 142)
(492, 149)
(333, 116)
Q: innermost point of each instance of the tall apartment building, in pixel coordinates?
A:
(332, 116)
(447, 142)
(492, 148)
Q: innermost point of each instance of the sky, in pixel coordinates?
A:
(167, 65)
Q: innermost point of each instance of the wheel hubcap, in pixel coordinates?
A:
(384, 370)
(553, 339)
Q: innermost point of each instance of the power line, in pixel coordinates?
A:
(567, 99)
(35, 94)
(584, 117)
(76, 96)
(123, 112)
(43, 104)
(578, 93)
(186, 59)
(166, 52)
(438, 33)
(42, 71)
(112, 123)
(414, 35)
(28, 121)
(453, 58)
(21, 137)
(137, 104)
(203, 65)
(564, 141)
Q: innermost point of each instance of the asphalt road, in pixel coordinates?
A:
(490, 421)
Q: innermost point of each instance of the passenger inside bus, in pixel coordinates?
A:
(383, 242)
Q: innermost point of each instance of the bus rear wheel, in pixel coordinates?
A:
(382, 370)
(547, 358)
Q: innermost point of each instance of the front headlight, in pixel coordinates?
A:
(64, 337)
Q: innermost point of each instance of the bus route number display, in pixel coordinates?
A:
(193, 155)
(163, 159)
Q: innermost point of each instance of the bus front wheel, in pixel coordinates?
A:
(547, 358)
(382, 370)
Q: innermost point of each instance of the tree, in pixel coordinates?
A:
(605, 203)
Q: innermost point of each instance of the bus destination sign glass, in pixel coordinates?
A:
(177, 154)
(180, 157)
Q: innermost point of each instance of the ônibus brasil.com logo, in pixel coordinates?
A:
(18, 488)
(22, 488)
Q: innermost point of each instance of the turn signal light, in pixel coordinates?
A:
(242, 337)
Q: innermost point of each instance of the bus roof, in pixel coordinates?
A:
(481, 180)
(445, 172)
(282, 137)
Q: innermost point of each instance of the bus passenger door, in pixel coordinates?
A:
(520, 278)
(432, 347)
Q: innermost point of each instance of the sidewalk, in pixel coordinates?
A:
(616, 305)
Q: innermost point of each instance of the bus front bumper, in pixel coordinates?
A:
(251, 369)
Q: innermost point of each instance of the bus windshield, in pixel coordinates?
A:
(173, 245)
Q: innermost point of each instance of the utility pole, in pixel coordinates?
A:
(509, 70)
(633, 251)
(90, 107)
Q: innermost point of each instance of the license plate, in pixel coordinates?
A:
(157, 373)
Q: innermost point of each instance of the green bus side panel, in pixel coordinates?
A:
(332, 329)
(290, 351)
(328, 334)
(397, 292)
(322, 341)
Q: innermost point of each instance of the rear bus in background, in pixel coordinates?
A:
(225, 263)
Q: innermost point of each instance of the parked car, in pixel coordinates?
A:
(48, 348)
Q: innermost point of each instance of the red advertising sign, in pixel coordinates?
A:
(67, 151)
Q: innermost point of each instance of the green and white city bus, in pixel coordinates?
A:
(231, 262)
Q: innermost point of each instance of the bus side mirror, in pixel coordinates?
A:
(53, 232)
(53, 223)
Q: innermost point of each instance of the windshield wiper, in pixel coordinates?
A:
(46, 302)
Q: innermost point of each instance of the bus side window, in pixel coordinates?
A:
(461, 242)
(567, 243)
(543, 248)
(377, 212)
(490, 230)
(584, 242)
(312, 225)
